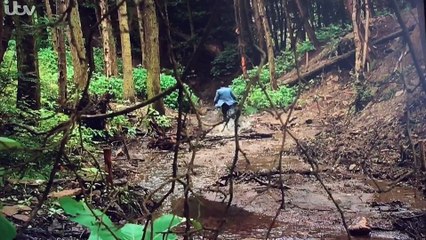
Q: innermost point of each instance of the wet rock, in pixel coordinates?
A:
(361, 228)
(352, 167)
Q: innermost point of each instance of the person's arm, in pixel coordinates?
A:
(216, 98)
(233, 96)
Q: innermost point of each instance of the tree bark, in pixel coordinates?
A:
(139, 6)
(406, 35)
(259, 26)
(366, 34)
(78, 51)
(6, 34)
(191, 24)
(108, 41)
(421, 14)
(269, 44)
(1, 24)
(357, 39)
(126, 53)
(152, 54)
(308, 28)
(58, 37)
(28, 93)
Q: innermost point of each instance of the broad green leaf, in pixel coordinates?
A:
(131, 232)
(164, 224)
(96, 221)
(103, 234)
(71, 206)
(7, 229)
(7, 144)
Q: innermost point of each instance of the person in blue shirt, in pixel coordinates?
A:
(225, 99)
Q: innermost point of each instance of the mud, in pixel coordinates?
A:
(308, 213)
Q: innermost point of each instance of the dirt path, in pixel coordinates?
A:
(358, 154)
(308, 213)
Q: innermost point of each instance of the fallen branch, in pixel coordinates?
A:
(248, 136)
(292, 78)
(132, 108)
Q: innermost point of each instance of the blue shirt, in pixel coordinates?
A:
(224, 95)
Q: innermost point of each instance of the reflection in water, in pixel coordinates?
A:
(237, 220)
(406, 195)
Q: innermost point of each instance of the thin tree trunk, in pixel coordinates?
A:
(58, 37)
(241, 35)
(28, 93)
(269, 44)
(289, 26)
(152, 54)
(108, 41)
(139, 5)
(421, 14)
(1, 23)
(410, 44)
(78, 51)
(7, 30)
(259, 26)
(191, 24)
(366, 34)
(357, 39)
(126, 53)
(308, 28)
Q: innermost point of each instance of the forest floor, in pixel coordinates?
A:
(360, 156)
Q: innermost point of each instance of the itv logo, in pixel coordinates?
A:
(17, 9)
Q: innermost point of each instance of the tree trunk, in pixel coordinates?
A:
(108, 41)
(139, 6)
(259, 26)
(28, 94)
(6, 33)
(58, 37)
(191, 25)
(357, 39)
(366, 34)
(152, 54)
(78, 51)
(308, 28)
(241, 33)
(421, 14)
(126, 53)
(269, 44)
(1, 26)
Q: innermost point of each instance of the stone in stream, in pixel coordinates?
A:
(361, 228)
(352, 167)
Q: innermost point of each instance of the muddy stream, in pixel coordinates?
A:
(308, 213)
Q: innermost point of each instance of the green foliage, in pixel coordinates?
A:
(226, 62)
(332, 32)
(257, 100)
(102, 228)
(8, 144)
(7, 229)
(284, 62)
(364, 95)
(154, 118)
(118, 124)
(101, 84)
(304, 47)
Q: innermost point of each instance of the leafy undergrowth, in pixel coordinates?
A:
(256, 100)
(102, 228)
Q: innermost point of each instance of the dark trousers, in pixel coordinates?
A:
(225, 107)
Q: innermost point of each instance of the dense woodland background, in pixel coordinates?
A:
(79, 78)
